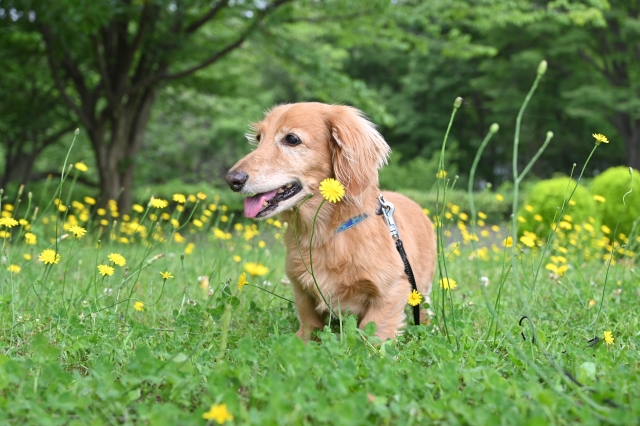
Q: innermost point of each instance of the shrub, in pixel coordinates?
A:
(612, 185)
(542, 206)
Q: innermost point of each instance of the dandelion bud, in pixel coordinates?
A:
(20, 190)
(549, 134)
(77, 132)
(181, 256)
(489, 185)
(494, 128)
(542, 68)
(30, 195)
(457, 102)
(630, 170)
(1, 191)
(574, 164)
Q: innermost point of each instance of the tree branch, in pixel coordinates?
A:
(46, 36)
(162, 75)
(194, 26)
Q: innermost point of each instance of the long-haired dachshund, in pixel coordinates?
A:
(355, 259)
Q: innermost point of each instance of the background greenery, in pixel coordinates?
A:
(401, 62)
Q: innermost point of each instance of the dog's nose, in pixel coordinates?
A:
(236, 179)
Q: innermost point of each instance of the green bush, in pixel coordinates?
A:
(612, 185)
(543, 204)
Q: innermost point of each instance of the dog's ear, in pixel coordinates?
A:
(358, 149)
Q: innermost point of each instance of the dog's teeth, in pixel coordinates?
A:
(289, 185)
(280, 191)
(265, 203)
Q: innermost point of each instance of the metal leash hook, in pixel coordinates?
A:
(387, 214)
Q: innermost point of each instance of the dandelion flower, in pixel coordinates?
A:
(599, 198)
(14, 269)
(9, 222)
(605, 229)
(30, 238)
(78, 231)
(600, 138)
(49, 257)
(592, 303)
(166, 275)
(118, 259)
(138, 306)
(179, 198)
(237, 259)
(448, 283)
(105, 270)
(138, 208)
(499, 197)
(608, 337)
(508, 242)
(26, 256)
(414, 298)
(537, 218)
(242, 280)
(332, 190)
(159, 203)
(81, 166)
(219, 413)
(256, 269)
(201, 196)
(89, 200)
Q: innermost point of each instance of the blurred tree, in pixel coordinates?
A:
(109, 59)
(32, 116)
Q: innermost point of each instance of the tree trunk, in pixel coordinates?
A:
(18, 166)
(629, 128)
(117, 158)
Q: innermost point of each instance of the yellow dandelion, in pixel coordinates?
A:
(9, 222)
(189, 248)
(414, 298)
(14, 269)
(138, 208)
(118, 259)
(192, 198)
(599, 198)
(537, 218)
(26, 256)
(219, 413)
(138, 306)
(81, 166)
(441, 174)
(242, 280)
(332, 190)
(105, 270)
(166, 275)
(448, 283)
(179, 198)
(605, 229)
(158, 203)
(237, 259)
(89, 200)
(78, 231)
(49, 257)
(508, 242)
(262, 244)
(600, 138)
(592, 303)
(201, 196)
(499, 197)
(30, 238)
(608, 337)
(256, 269)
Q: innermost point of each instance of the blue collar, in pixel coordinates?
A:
(351, 222)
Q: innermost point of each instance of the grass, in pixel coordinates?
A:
(140, 347)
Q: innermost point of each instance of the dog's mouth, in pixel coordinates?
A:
(262, 204)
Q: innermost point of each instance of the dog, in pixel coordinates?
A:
(357, 266)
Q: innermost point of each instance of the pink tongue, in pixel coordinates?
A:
(253, 205)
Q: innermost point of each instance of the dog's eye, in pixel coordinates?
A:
(258, 137)
(292, 140)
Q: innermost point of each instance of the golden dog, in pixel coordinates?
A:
(358, 268)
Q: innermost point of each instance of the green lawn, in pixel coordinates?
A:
(74, 350)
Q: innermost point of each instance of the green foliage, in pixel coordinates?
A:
(547, 198)
(613, 184)
(417, 174)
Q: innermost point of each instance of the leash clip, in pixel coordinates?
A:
(388, 208)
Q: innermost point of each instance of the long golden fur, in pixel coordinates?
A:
(359, 269)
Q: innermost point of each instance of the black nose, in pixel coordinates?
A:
(236, 179)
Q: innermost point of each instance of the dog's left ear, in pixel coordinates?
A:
(359, 151)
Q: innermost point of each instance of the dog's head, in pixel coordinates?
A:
(299, 145)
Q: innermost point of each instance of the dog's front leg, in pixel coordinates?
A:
(388, 311)
(309, 318)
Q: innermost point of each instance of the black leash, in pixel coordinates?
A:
(386, 209)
